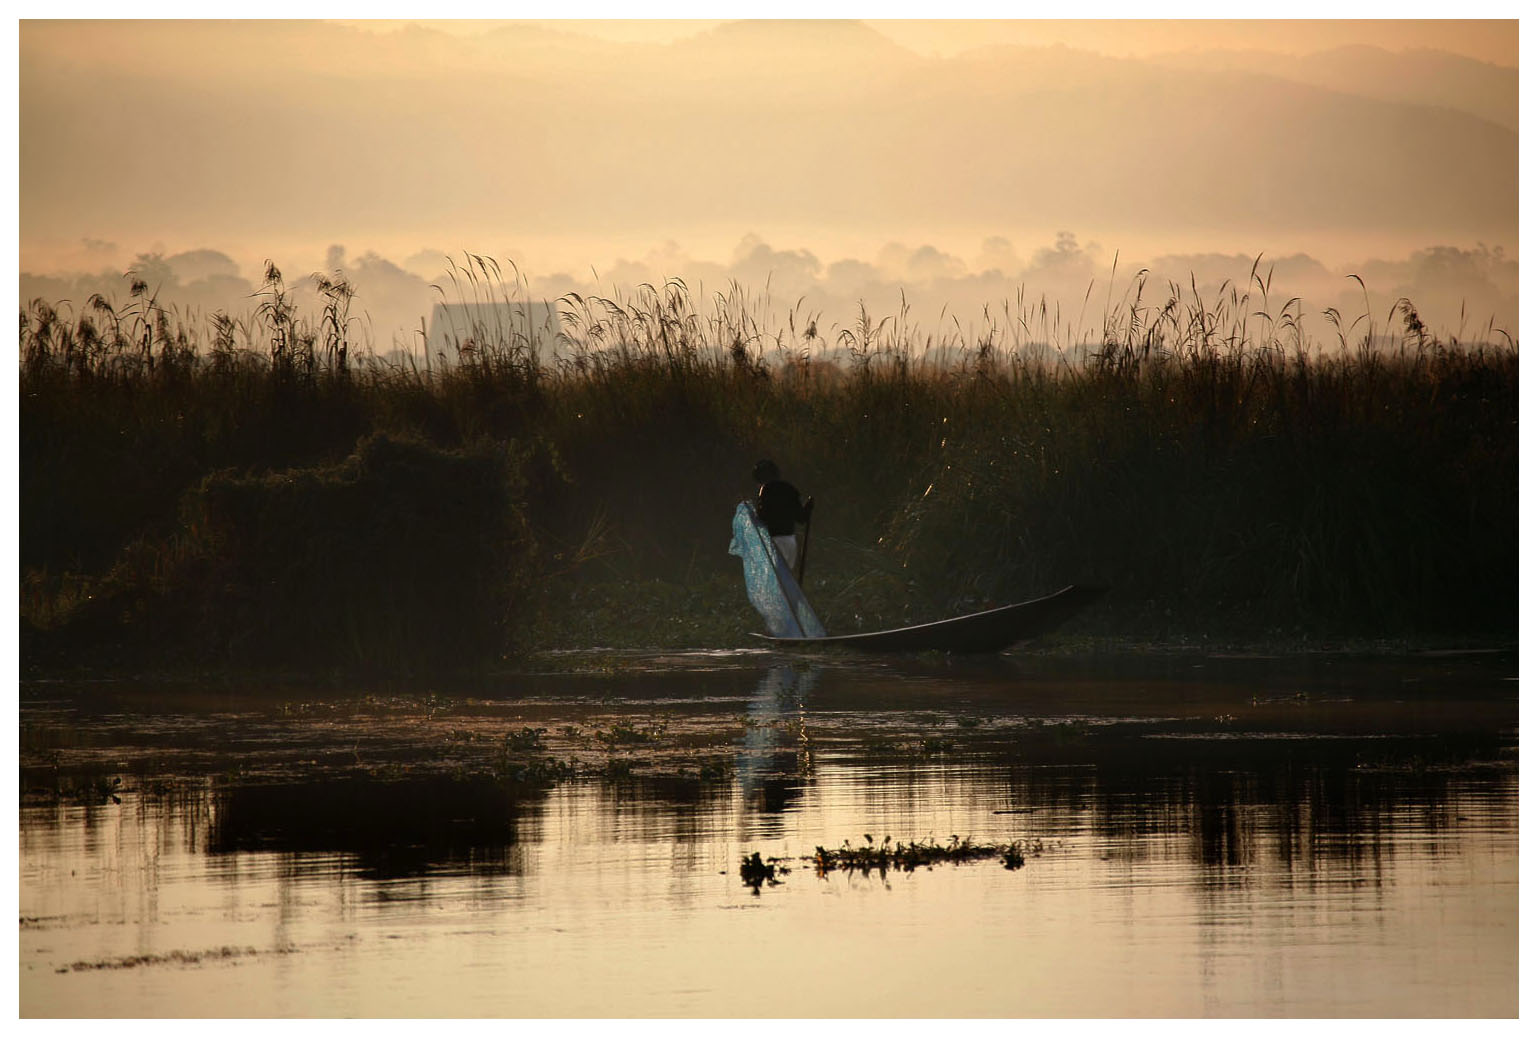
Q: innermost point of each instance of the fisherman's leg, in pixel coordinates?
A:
(786, 546)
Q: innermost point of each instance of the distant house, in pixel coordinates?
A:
(456, 330)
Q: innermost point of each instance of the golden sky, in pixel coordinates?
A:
(576, 145)
(1483, 39)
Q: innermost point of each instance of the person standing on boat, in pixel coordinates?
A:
(779, 508)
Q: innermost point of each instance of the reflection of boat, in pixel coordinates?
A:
(988, 631)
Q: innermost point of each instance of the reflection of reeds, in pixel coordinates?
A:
(1204, 455)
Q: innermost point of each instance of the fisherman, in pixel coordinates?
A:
(779, 508)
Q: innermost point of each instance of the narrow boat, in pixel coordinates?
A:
(991, 630)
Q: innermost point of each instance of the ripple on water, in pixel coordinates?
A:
(1195, 849)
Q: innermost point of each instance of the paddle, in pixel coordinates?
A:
(806, 543)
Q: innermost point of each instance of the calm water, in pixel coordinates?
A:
(1312, 836)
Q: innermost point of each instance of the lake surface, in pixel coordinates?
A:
(1316, 835)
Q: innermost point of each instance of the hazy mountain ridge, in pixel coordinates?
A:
(841, 36)
(330, 132)
(284, 48)
(1423, 77)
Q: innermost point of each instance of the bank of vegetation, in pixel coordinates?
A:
(264, 493)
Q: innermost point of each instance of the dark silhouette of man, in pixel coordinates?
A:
(779, 508)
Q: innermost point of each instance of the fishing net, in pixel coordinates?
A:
(771, 587)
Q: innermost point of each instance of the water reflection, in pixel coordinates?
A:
(391, 828)
(1235, 791)
(1355, 846)
(774, 765)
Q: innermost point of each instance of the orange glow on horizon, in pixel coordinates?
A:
(651, 148)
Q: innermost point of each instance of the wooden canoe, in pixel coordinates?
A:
(991, 630)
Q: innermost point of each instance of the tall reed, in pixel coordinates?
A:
(1224, 469)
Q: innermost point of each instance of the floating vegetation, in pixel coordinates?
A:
(178, 957)
(626, 734)
(1014, 854)
(905, 857)
(525, 740)
(715, 770)
(1070, 731)
(536, 769)
(890, 856)
(616, 769)
(430, 705)
(515, 759)
(88, 790)
(755, 871)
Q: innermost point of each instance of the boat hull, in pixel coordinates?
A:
(991, 630)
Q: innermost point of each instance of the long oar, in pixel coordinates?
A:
(806, 544)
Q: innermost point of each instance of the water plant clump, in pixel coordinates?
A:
(625, 733)
(536, 770)
(526, 739)
(88, 789)
(906, 857)
(756, 872)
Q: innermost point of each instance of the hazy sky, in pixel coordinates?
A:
(1485, 40)
(575, 146)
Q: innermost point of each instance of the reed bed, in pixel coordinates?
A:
(1228, 473)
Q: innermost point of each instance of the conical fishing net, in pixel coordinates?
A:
(772, 588)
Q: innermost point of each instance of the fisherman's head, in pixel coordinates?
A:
(765, 471)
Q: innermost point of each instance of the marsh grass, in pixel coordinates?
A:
(1226, 472)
